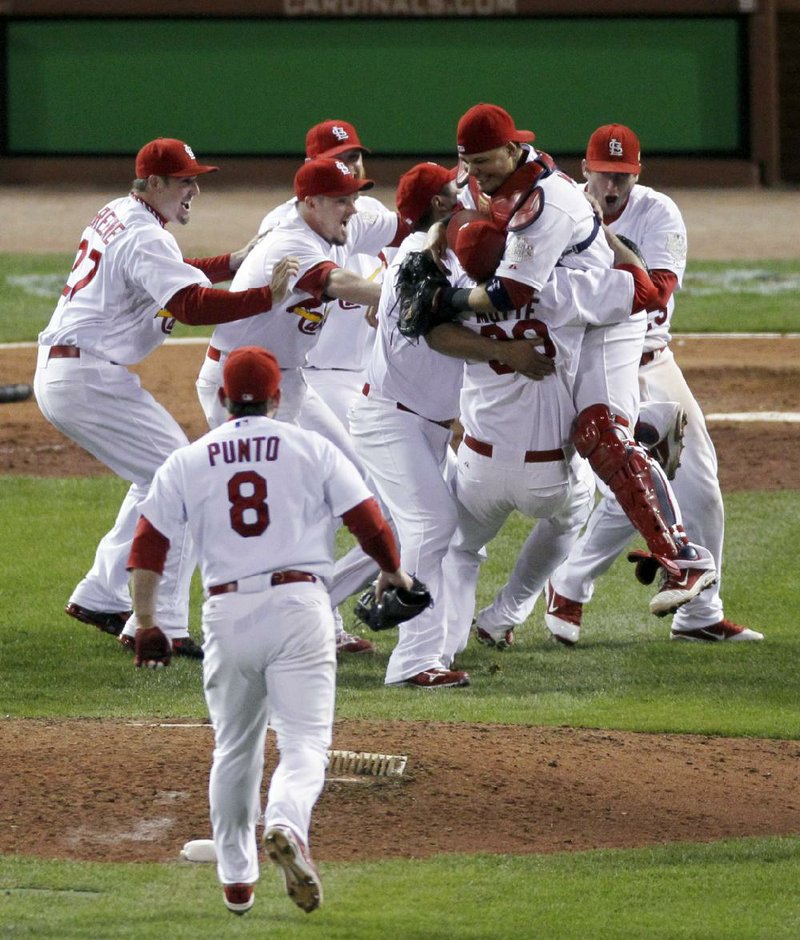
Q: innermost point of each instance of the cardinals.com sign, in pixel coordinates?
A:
(398, 8)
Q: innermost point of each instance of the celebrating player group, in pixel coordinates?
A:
(496, 341)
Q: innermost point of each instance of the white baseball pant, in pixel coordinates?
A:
(489, 489)
(406, 455)
(270, 661)
(104, 409)
(696, 487)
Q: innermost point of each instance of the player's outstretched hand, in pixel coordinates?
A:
(153, 649)
(522, 356)
(282, 273)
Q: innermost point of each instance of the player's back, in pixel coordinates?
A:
(257, 497)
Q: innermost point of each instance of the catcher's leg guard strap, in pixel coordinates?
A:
(639, 486)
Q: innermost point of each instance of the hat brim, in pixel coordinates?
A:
(341, 148)
(608, 166)
(361, 186)
(197, 170)
(523, 137)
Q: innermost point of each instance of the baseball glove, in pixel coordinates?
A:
(421, 286)
(153, 649)
(632, 246)
(395, 606)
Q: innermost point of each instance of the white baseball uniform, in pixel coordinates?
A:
(261, 499)
(336, 365)
(401, 431)
(517, 451)
(110, 315)
(566, 233)
(653, 221)
(290, 331)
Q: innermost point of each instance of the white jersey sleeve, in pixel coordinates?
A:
(653, 221)
(275, 216)
(258, 496)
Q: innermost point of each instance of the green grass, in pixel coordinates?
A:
(625, 673)
(726, 890)
(734, 296)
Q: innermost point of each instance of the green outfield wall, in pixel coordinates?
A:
(249, 86)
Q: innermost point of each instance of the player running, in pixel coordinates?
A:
(262, 500)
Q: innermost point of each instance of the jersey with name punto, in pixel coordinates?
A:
(258, 495)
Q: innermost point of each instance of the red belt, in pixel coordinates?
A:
(648, 357)
(213, 353)
(401, 407)
(531, 456)
(64, 352)
(278, 577)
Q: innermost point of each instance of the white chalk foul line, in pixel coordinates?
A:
(791, 417)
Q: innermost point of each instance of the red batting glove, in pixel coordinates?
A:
(153, 649)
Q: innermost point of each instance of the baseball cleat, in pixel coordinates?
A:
(351, 643)
(438, 678)
(238, 898)
(108, 622)
(660, 429)
(289, 853)
(186, 646)
(562, 617)
(501, 642)
(182, 646)
(680, 580)
(723, 631)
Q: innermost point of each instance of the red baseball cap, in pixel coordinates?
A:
(326, 177)
(166, 156)
(251, 373)
(478, 243)
(613, 148)
(330, 138)
(418, 186)
(486, 127)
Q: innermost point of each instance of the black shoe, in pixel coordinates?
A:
(113, 623)
(186, 646)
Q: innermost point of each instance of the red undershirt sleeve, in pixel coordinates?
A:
(149, 548)
(373, 533)
(315, 280)
(519, 294)
(206, 306)
(665, 282)
(404, 229)
(215, 269)
(644, 291)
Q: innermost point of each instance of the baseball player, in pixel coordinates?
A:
(517, 451)
(127, 287)
(261, 499)
(548, 221)
(653, 221)
(335, 365)
(401, 428)
(323, 230)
